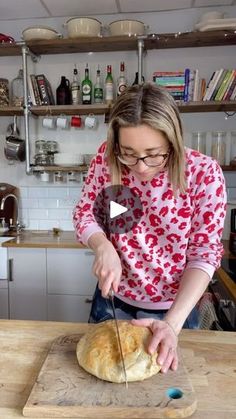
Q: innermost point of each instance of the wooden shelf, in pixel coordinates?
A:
(97, 109)
(9, 50)
(123, 43)
(54, 168)
(11, 110)
(229, 168)
(207, 106)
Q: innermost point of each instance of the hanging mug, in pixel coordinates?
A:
(90, 121)
(48, 122)
(62, 122)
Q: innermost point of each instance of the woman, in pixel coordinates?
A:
(160, 269)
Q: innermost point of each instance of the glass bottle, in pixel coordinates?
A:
(218, 146)
(233, 147)
(17, 90)
(75, 88)
(109, 87)
(98, 90)
(121, 82)
(199, 141)
(86, 88)
(136, 79)
(63, 92)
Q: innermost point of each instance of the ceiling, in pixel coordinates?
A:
(29, 9)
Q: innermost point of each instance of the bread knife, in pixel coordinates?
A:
(111, 296)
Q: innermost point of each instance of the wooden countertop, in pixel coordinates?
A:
(44, 239)
(24, 345)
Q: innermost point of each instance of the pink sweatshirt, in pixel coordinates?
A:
(176, 233)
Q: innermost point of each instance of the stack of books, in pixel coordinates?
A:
(40, 91)
(184, 85)
(222, 85)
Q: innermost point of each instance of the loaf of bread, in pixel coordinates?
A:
(98, 352)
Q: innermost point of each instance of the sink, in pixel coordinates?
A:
(4, 239)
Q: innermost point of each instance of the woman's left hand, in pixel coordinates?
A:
(164, 340)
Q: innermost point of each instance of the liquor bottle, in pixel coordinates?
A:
(17, 90)
(121, 82)
(86, 88)
(109, 87)
(136, 79)
(98, 90)
(63, 94)
(75, 88)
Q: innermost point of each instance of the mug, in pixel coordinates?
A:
(90, 121)
(62, 122)
(76, 121)
(48, 122)
(44, 176)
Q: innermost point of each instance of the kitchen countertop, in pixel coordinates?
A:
(24, 345)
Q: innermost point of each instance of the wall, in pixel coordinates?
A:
(47, 205)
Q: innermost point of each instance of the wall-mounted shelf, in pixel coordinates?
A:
(229, 168)
(11, 110)
(82, 168)
(123, 43)
(97, 109)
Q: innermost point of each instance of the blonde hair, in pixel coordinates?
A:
(151, 105)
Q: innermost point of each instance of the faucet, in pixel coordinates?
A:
(10, 195)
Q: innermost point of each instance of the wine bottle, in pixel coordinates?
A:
(109, 87)
(75, 87)
(98, 90)
(63, 94)
(86, 88)
(121, 82)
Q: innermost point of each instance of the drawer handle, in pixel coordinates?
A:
(10, 270)
(88, 300)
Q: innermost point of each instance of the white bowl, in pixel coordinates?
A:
(126, 27)
(83, 26)
(211, 16)
(39, 33)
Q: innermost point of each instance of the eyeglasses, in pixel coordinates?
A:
(151, 161)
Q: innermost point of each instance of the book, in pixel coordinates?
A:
(43, 89)
(32, 100)
(35, 89)
(186, 84)
(196, 86)
(218, 84)
(223, 86)
(212, 85)
(228, 90)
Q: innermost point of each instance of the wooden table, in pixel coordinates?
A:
(24, 345)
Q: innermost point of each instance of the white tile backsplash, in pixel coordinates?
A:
(42, 208)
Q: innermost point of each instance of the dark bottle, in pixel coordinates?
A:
(63, 92)
(136, 79)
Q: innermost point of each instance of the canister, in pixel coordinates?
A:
(218, 146)
(4, 92)
(199, 141)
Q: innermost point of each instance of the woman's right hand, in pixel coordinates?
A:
(107, 267)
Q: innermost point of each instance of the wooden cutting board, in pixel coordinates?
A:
(63, 389)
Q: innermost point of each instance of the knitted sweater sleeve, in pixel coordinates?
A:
(84, 221)
(205, 249)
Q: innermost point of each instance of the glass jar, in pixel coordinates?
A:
(233, 146)
(199, 141)
(40, 147)
(218, 146)
(17, 90)
(4, 92)
(52, 147)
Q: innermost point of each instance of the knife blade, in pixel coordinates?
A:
(111, 296)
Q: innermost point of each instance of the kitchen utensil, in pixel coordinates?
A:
(14, 148)
(214, 24)
(126, 27)
(111, 296)
(64, 389)
(13, 129)
(39, 33)
(83, 26)
(90, 121)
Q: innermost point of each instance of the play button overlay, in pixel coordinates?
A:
(117, 209)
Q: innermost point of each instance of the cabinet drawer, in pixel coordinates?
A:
(69, 308)
(4, 304)
(69, 271)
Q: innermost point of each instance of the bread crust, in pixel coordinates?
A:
(98, 352)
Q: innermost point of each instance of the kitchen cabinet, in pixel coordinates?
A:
(3, 303)
(27, 284)
(70, 284)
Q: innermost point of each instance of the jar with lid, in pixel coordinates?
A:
(233, 148)
(199, 141)
(4, 92)
(218, 146)
(52, 147)
(40, 147)
(17, 90)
